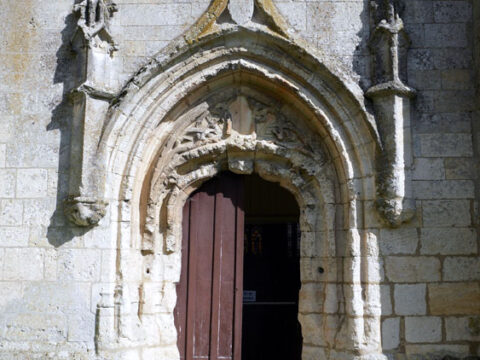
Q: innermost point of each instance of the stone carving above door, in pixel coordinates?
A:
(243, 116)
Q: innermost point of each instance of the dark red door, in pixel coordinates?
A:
(208, 315)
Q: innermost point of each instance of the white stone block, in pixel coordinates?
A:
(390, 333)
(463, 328)
(79, 264)
(23, 264)
(11, 212)
(423, 329)
(3, 152)
(398, 241)
(7, 183)
(412, 268)
(428, 169)
(446, 213)
(448, 241)
(461, 268)
(32, 183)
(386, 300)
(444, 189)
(14, 236)
(410, 299)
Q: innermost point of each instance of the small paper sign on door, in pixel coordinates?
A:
(249, 296)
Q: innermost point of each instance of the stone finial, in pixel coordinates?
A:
(391, 99)
(94, 20)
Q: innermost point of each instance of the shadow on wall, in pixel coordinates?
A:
(361, 59)
(60, 231)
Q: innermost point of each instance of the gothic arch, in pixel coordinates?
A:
(299, 124)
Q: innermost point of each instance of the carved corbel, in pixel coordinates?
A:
(91, 96)
(392, 100)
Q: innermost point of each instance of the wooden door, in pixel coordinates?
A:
(208, 315)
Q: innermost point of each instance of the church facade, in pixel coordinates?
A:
(240, 179)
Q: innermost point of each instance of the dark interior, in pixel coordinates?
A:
(271, 278)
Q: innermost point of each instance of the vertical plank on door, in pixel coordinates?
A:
(210, 288)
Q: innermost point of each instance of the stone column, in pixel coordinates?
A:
(391, 99)
(91, 98)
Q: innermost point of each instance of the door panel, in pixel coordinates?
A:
(209, 305)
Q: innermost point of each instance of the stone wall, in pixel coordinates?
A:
(52, 273)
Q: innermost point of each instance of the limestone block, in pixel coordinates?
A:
(460, 168)
(446, 213)
(452, 58)
(444, 145)
(35, 327)
(16, 268)
(452, 11)
(463, 328)
(449, 241)
(7, 183)
(434, 352)
(10, 292)
(81, 327)
(451, 122)
(420, 59)
(3, 152)
(444, 189)
(295, 13)
(423, 329)
(454, 100)
(418, 12)
(457, 79)
(155, 14)
(412, 269)
(461, 268)
(11, 212)
(428, 169)
(31, 155)
(313, 329)
(50, 271)
(386, 299)
(38, 211)
(14, 236)
(32, 183)
(410, 299)
(390, 333)
(398, 241)
(445, 35)
(454, 298)
(79, 264)
(309, 292)
(55, 297)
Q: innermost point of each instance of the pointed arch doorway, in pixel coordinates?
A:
(240, 278)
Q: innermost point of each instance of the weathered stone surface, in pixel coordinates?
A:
(454, 298)
(463, 328)
(52, 274)
(412, 269)
(423, 329)
(390, 333)
(410, 299)
(451, 241)
(461, 268)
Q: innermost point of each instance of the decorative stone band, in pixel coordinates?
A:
(84, 211)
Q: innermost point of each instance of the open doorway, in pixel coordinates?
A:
(271, 273)
(240, 278)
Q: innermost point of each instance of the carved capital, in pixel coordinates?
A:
(84, 212)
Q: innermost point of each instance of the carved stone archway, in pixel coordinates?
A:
(244, 97)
